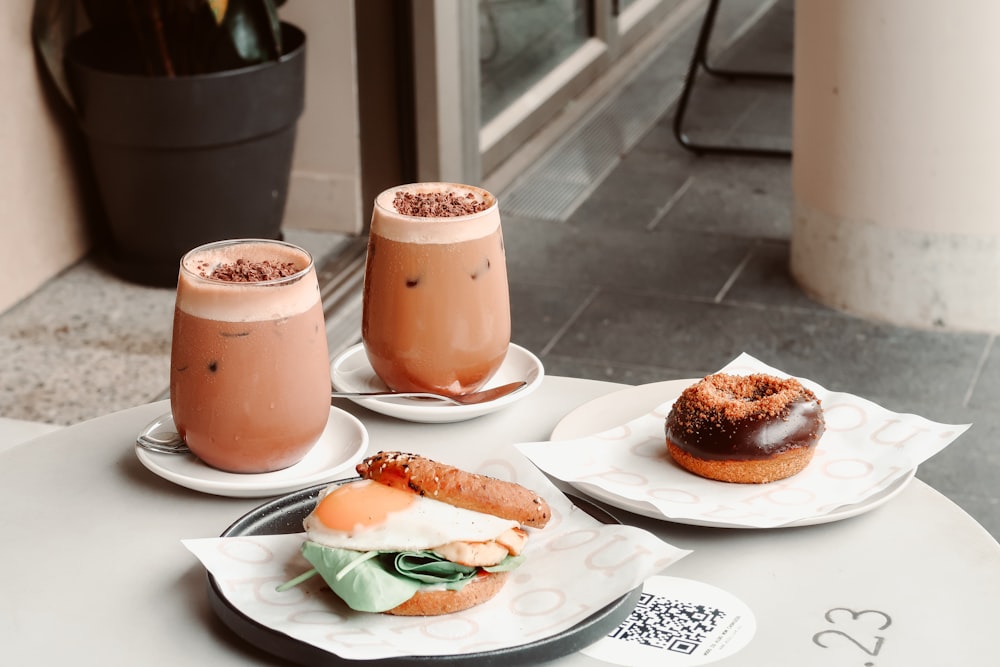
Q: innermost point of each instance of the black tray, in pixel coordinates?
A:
(284, 515)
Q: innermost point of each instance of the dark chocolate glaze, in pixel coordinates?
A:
(714, 437)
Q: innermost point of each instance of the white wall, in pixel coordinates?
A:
(42, 227)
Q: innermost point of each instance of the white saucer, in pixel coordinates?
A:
(351, 372)
(610, 410)
(341, 444)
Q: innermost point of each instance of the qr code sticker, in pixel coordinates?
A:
(668, 624)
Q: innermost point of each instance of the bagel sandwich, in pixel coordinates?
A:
(415, 537)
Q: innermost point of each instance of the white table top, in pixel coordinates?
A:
(15, 431)
(67, 598)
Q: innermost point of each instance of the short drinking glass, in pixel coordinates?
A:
(436, 313)
(249, 366)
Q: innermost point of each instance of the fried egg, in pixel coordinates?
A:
(368, 516)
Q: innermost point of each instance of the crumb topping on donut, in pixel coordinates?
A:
(727, 417)
(738, 397)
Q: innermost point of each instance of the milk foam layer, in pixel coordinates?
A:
(388, 223)
(246, 302)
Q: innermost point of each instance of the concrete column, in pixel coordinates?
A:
(896, 167)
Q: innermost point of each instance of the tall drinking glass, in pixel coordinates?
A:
(249, 366)
(436, 311)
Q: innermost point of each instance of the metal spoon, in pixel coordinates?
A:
(159, 436)
(474, 398)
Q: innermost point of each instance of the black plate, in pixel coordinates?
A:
(285, 515)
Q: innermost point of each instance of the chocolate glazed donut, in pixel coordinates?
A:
(744, 428)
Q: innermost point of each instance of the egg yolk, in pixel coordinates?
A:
(362, 504)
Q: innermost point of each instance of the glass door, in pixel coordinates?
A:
(488, 75)
(520, 42)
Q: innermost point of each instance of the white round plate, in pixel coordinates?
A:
(350, 371)
(341, 444)
(619, 407)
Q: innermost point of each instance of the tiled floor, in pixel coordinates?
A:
(669, 266)
(676, 263)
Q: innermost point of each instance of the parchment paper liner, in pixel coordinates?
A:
(574, 567)
(865, 449)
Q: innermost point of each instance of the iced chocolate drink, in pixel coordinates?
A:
(249, 366)
(436, 313)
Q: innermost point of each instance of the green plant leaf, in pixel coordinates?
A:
(506, 565)
(429, 568)
(253, 30)
(53, 24)
(367, 586)
(378, 581)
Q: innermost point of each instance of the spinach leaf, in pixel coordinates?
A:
(365, 587)
(376, 581)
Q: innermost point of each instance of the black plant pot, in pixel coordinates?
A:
(184, 161)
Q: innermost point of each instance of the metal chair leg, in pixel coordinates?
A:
(699, 59)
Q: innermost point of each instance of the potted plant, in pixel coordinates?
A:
(189, 110)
